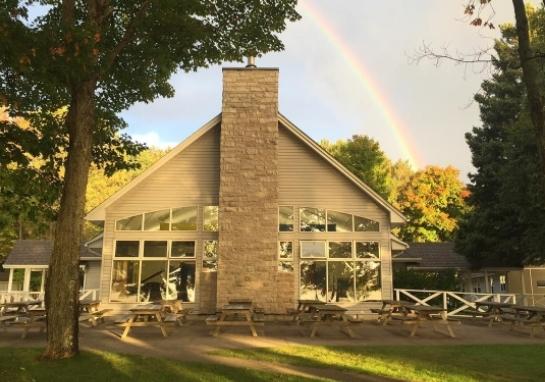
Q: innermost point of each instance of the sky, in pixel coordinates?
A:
(347, 69)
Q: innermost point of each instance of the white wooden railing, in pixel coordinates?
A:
(84, 294)
(456, 303)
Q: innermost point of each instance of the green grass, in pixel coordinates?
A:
(21, 365)
(415, 363)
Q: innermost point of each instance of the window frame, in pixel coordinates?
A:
(198, 228)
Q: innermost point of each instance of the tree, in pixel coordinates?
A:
(433, 201)
(401, 172)
(363, 156)
(95, 59)
(506, 226)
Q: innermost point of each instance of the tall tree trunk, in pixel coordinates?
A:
(62, 291)
(531, 77)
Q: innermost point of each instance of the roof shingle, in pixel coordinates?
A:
(37, 252)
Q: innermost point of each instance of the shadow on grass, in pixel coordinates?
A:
(22, 365)
(415, 363)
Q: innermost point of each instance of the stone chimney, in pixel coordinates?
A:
(248, 201)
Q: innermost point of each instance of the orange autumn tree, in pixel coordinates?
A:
(433, 200)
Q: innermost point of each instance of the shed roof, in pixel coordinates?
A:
(38, 252)
(433, 256)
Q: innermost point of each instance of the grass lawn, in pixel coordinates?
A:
(416, 363)
(18, 365)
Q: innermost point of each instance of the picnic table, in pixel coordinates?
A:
(89, 311)
(330, 315)
(528, 316)
(149, 315)
(389, 307)
(303, 309)
(492, 310)
(35, 318)
(20, 307)
(424, 314)
(240, 314)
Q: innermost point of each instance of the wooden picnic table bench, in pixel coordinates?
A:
(149, 315)
(35, 318)
(493, 311)
(388, 309)
(528, 316)
(304, 310)
(423, 314)
(235, 315)
(20, 307)
(330, 315)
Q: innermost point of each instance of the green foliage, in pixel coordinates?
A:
(433, 201)
(507, 224)
(436, 280)
(363, 156)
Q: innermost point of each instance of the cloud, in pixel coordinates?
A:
(152, 139)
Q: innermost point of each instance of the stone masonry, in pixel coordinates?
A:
(248, 206)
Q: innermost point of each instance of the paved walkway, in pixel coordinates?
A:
(193, 342)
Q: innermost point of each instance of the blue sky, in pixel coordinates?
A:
(320, 94)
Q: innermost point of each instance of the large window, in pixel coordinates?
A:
(145, 271)
(17, 280)
(322, 220)
(171, 219)
(339, 271)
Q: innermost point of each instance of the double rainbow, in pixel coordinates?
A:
(398, 129)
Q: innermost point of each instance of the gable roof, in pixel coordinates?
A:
(432, 256)
(38, 252)
(99, 212)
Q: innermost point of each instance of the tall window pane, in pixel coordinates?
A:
(132, 223)
(365, 225)
(367, 250)
(36, 280)
(285, 250)
(340, 249)
(210, 218)
(155, 249)
(312, 249)
(157, 220)
(17, 280)
(184, 219)
(285, 218)
(124, 281)
(340, 276)
(368, 284)
(339, 221)
(126, 248)
(313, 280)
(181, 281)
(182, 249)
(153, 281)
(210, 255)
(312, 219)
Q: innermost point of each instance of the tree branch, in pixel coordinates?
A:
(126, 39)
(426, 52)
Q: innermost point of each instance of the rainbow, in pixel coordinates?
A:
(398, 129)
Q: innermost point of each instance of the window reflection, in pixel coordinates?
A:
(339, 221)
(182, 249)
(210, 255)
(368, 282)
(312, 249)
(157, 220)
(126, 248)
(155, 249)
(285, 218)
(152, 281)
(367, 250)
(365, 225)
(340, 249)
(340, 276)
(181, 281)
(124, 281)
(210, 218)
(17, 279)
(36, 280)
(312, 219)
(132, 223)
(313, 280)
(184, 219)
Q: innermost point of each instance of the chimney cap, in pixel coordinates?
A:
(251, 62)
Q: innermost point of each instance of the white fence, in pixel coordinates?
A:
(456, 303)
(84, 294)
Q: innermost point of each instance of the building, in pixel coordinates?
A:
(528, 281)
(247, 207)
(27, 263)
